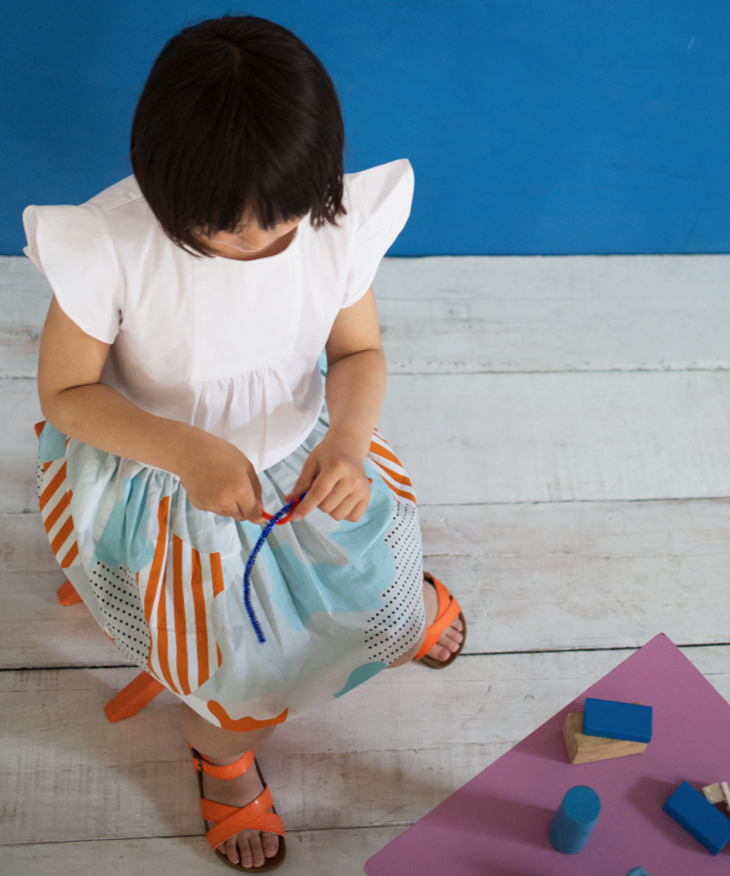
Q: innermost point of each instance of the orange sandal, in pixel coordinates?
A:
(229, 820)
(448, 610)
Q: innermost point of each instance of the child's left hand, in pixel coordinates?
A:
(335, 480)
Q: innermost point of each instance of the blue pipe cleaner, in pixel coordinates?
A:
(273, 521)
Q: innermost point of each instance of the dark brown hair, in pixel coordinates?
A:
(237, 114)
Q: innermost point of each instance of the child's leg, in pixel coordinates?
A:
(222, 747)
(449, 640)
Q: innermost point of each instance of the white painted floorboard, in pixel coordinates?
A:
(316, 852)
(562, 437)
(582, 313)
(565, 423)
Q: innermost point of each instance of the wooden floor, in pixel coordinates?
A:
(566, 422)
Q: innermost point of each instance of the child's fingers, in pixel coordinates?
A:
(240, 515)
(358, 511)
(253, 515)
(306, 477)
(346, 507)
(252, 510)
(256, 484)
(352, 506)
(343, 498)
(323, 485)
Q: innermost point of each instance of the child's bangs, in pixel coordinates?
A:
(259, 197)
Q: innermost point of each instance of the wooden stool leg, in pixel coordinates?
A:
(67, 595)
(133, 698)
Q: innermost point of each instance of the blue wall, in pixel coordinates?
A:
(572, 126)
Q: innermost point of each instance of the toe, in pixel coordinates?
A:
(245, 850)
(257, 850)
(230, 850)
(448, 644)
(451, 640)
(438, 652)
(271, 844)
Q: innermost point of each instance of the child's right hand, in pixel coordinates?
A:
(219, 478)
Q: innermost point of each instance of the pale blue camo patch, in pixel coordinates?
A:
(51, 444)
(360, 675)
(125, 539)
(300, 589)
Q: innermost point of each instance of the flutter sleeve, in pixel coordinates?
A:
(379, 200)
(73, 248)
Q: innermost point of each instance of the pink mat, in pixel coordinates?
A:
(497, 824)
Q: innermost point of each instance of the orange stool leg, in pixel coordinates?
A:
(67, 595)
(133, 698)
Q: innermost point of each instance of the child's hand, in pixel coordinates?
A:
(335, 480)
(218, 477)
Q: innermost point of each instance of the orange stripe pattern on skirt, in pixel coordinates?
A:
(392, 472)
(55, 506)
(183, 650)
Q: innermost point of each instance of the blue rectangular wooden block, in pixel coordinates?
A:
(617, 720)
(699, 817)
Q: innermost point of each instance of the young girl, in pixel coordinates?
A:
(179, 374)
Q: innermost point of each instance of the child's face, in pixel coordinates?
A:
(249, 239)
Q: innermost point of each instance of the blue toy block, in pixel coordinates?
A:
(614, 720)
(699, 817)
(637, 871)
(575, 819)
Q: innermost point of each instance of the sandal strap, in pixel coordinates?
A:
(253, 816)
(229, 771)
(448, 610)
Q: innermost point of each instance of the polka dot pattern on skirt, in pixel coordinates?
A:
(394, 628)
(117, 593)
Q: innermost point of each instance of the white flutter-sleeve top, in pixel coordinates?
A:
(228, 345)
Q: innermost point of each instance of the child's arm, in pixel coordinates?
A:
(334, 473)
(217, 476)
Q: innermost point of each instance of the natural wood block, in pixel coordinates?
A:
(586, 749)
(717, 793)
(713, 793)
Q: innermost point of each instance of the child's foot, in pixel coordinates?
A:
(451, 637)
(249, 848)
